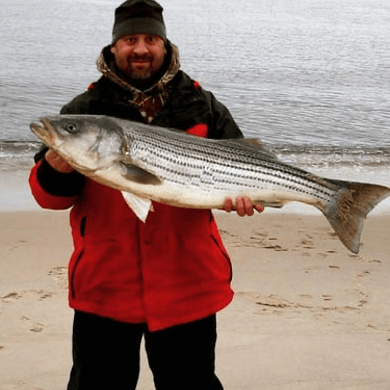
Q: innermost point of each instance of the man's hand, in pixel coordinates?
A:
(243, 206)
(57, 162)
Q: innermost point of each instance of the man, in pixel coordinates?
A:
(165, 279)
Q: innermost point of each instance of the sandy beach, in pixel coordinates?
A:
(307, 313)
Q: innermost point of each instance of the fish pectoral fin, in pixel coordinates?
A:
(139, 175)
(140, 206)
(274, 205)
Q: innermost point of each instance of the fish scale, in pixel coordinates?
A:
(165, 156)
(149, 163)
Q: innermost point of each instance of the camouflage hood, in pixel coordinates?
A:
(151, 100)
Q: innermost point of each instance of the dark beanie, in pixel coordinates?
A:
(138, 17)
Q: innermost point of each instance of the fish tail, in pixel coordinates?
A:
(352, 204)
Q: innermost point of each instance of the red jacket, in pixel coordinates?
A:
(170, 270)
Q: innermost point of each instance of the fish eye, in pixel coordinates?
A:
(71, 128)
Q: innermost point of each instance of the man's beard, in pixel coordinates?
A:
(140, 75)
(143, 78)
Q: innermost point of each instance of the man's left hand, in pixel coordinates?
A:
(243, 206)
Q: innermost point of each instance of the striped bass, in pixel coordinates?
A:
(153, 163)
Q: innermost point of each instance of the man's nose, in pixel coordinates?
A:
(141, 47)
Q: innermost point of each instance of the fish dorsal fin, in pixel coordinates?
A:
(140, 206)
(251, 144)
(256, 142)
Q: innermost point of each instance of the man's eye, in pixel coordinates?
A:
(130, 40)
(151, 39)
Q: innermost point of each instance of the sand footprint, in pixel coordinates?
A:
(307, 296)
(14, 296)
(59, 274)
(11, 297)
(326, 297)
(308, 242)
(32, 326)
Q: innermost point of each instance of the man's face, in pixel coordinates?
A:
(139, 56)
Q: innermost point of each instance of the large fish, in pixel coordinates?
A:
(153, 163)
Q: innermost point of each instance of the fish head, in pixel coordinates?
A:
(87, 142)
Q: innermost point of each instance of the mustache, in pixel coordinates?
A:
(137, 57)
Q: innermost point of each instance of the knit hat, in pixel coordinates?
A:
(138, 17)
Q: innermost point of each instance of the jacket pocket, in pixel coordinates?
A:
(224, 253)
(78, 258)
(76, 263)
(83, 223)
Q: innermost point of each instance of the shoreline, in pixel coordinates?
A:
(307, 313)
(16, 197)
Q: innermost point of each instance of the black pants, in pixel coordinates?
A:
(106, 355)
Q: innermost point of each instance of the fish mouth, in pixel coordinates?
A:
(37, 129)
(44, 132)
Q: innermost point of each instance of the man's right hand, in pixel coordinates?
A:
(57, 162)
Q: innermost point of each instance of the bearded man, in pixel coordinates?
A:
(163, 280)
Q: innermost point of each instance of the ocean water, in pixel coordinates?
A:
(311, 78)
